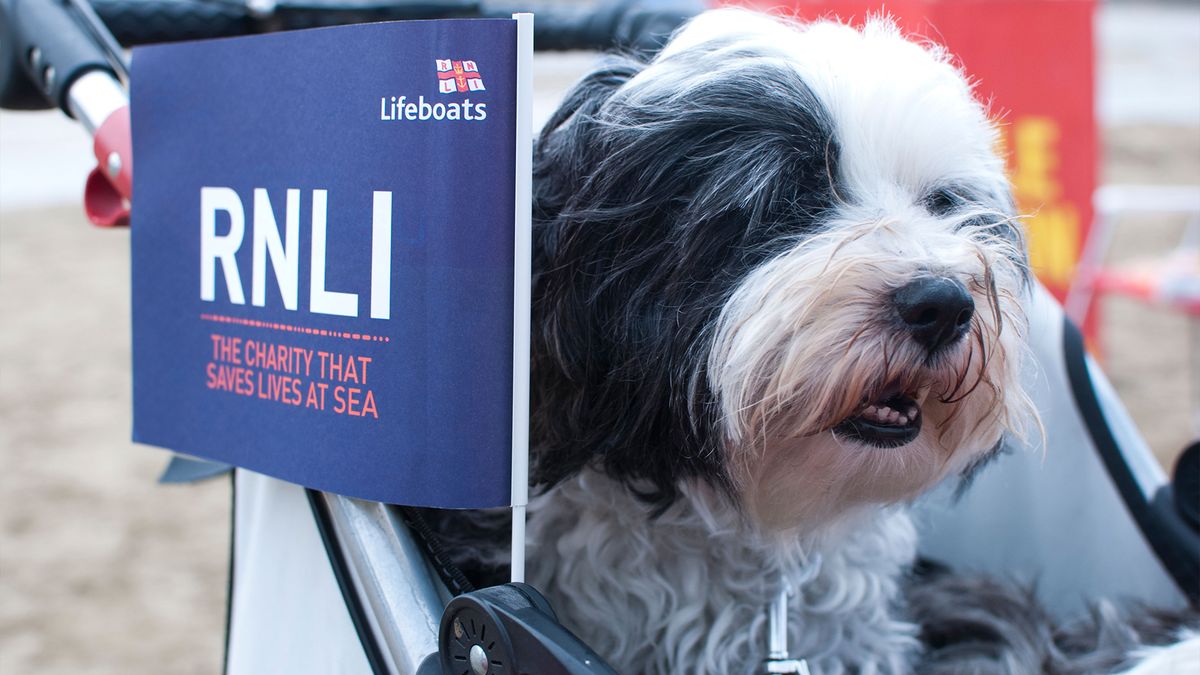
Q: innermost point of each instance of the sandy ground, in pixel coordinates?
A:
(102, 571)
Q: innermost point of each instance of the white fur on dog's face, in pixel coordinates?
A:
(808, 339)
(791, 373)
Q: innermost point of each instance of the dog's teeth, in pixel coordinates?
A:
(903, 414)
(886, 414)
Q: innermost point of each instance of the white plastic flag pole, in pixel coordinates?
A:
(522, 295)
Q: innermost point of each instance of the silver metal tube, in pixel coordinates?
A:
(777, 626)
(1147, 199)
(401, 594)
(94, 96)
(778, 659)
(1111, 203)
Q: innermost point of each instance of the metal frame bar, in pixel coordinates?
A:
(400, 591)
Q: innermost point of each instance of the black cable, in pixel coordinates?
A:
(456, 582)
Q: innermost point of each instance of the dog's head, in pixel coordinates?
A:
(778, 258)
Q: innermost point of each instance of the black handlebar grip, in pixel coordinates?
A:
(16, 91)
(616, 24)
(137, 22)
(627, 24)
(45, 40)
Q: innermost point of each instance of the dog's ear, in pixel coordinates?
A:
(592, 91)
(613, 366)
(560, 161)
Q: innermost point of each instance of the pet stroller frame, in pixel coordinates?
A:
(1031, 515)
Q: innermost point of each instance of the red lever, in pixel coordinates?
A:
(110, 185)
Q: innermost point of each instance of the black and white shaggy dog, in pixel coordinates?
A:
(778, 293)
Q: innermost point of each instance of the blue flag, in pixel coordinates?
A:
(323, 256)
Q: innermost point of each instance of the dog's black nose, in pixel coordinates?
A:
(936, 310)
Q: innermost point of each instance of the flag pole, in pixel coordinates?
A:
(522, 294)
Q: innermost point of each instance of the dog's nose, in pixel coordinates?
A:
(936, 310)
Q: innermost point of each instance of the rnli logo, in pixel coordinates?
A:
(458, 76)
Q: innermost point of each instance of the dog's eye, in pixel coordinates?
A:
(942, 201)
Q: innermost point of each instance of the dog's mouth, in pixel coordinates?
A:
(891, 421)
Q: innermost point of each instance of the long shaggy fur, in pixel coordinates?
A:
(685, 591)
(720, 237)
(986, 626)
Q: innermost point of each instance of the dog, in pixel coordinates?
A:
(779, 292)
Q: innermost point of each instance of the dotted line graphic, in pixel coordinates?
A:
(289, 328)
